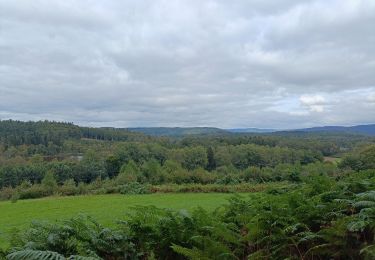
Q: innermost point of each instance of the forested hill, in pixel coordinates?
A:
(358, 129)
(178, 131)
(185, 131)
(45, 132)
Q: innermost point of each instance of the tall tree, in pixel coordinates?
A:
(211, 162)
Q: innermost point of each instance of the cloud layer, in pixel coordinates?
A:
(249, 63)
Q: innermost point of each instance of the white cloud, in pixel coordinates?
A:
(371, 98)
(315, 103)
(312, 100)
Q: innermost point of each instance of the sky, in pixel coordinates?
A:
(231, 64)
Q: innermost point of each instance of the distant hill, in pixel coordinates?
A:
(44, 132)
(177, 131)
(49, 132)
(183, 131)
(251, 130)
(358, 129)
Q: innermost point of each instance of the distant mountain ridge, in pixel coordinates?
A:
(19, 132)
(251, 130)
(177, 131)
(182, 131)
(357, 129)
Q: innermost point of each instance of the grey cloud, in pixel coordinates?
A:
(188, 63)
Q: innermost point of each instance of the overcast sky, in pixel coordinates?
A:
(230, 64)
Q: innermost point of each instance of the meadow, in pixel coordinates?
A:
(107, 209)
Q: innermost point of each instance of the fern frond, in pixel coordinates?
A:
(364, 204)
(35, 255)
(193, 253)
(368, 251)
(78, 257)
(357, 225)
(370, 195)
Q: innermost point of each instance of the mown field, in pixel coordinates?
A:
(104, 208)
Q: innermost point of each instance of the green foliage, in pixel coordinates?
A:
(129, 172)
(209, 188)
(34, 192)
(46, 132)
(69, 188)
(15, 197)
(91, 167)
(49, 183)
(194, 157)
(135, 188)
(152, 171)
(35, 255)
(211, 162)
(78, 236)
(86, 154)
(29, 254)
(362, 159)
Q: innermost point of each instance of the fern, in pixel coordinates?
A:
(44, 255)
(368, 252)
(370, 195)
(193, 254)
(364, 204)
(357, 225)
(35, 255)
(78, 257)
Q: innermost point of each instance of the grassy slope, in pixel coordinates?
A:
(105, 208)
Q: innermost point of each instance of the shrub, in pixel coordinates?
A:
(34, 192)
(6, 193)
(15, 197)
(243, 187)
(82, 188)
(228, 180)
(49, 183)
(202, 176)
(135, 188)
(129, 173)
(78, 236)
(69, 188)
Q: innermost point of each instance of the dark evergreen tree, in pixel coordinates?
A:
(211, 162)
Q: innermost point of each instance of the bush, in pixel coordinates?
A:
(82, 188)
(202, 176)
(34, 192)
(129, 173)
(78, 236)
(49, 183)
(15, 197)
(229, 180)
(6, 193)
(220, 188)
(69, 188)
(135, 188)
(362, 159)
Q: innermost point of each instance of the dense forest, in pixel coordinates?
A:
(324, 209)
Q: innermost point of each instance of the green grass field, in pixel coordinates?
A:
(104, 208)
